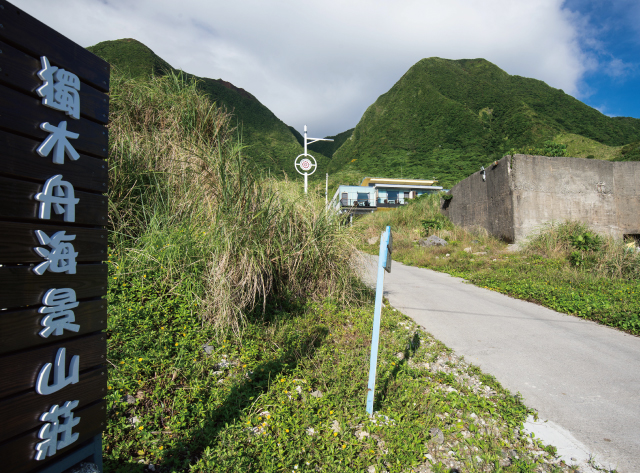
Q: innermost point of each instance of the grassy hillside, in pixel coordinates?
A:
(446, 118)
(579, 146)
(270, 145)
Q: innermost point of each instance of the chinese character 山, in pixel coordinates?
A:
(60, 378)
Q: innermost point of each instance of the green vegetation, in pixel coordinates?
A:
(446, 118)
(582, 147)
(238, 335)
(565, 267)
(630, 152)
(269, 143)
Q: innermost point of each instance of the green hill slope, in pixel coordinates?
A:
(270, 144)
(446, 118)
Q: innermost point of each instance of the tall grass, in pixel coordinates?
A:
(186, 210)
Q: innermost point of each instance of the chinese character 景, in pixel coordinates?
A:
(59, 304)
(50, 431)
(58, 141)
(59, 194)
(61, 258)
(60, 378)
(60, 90)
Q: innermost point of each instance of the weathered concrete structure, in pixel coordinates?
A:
(522, 192)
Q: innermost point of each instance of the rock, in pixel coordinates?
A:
(467, 250)
(480, 253)
(317, 394)
(311, 431)
(436, 436)
(84, 467)
(151, 467)
(223, 365)
(432, 241)
(298, 389)
(362, 434)
(447, 255)
(208, 349)
(133, 420)
(373, 241)
(335, 426)
(129, 399)
(400, 356)
(371, 469)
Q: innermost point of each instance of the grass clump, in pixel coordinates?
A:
(184, 200)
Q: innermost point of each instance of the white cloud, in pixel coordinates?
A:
(323, 63)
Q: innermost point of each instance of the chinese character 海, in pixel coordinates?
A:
(61, 258)
(60, 378)
(61, 89)
(60, 303)
(58, 141)
(59, 194)
(50, 431)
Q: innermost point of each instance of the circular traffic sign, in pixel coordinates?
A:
(305, 164)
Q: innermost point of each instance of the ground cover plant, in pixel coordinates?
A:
(565, 266)
(238, 334)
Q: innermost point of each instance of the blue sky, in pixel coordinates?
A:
(323, 63)
(611, 37)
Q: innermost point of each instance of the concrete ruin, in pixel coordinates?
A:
(514, 196)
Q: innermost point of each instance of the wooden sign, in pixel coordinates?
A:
(53, 242)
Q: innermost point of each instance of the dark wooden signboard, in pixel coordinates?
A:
(54, 107)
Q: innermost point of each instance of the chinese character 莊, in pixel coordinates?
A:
(58, 141)
(60, 378)
(60, 317)
(60, 90)
(59, 194)
(61, 258)
(53, 428)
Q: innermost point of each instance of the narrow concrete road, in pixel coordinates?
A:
(583, 377)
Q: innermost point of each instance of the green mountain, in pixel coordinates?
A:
(327, 148)
(269, 142)
(446, 118)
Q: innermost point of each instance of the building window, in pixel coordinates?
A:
(363, 199)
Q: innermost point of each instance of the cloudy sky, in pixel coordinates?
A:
(323, 63)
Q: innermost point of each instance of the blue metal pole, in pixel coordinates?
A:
(384, 238)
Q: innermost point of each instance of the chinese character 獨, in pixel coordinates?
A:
(58, 141)
(61, 258)
(60, 303)
(50, 431)
(59, 194)
(61, 89)
(60, 378)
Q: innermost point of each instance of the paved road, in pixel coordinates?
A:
(581, 376)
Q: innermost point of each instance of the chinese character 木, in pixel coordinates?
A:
(61, 258)
(58, 141)
(60, 303)
(59, 194)
(50, 431)
(60, 378)
(61, 89)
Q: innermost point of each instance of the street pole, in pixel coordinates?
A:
(309, 161)
(326, 191)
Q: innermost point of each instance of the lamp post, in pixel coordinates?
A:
(305, 162)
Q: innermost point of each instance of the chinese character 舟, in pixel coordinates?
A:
(58, 141)
(61, 258)
(50, 431)
(60, 90)
(60, 195)
(59, 304)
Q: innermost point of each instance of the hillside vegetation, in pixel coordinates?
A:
(446, 118)
(268, 142)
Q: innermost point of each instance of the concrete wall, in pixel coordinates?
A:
(522, 192)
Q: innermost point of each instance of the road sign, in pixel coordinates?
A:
(384, 263)
(54, 106)
(306, 164)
